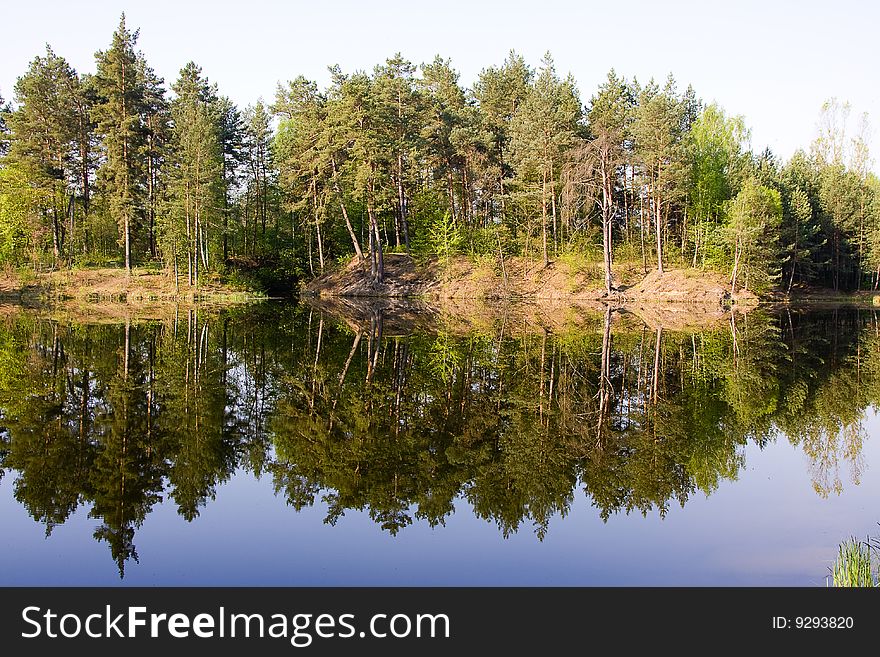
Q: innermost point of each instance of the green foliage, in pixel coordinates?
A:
(21, 206)
(755, 216)
(445, 237)
(854, 566)
(120, 117)
(375, 161)
(715, 143)
(193, 211)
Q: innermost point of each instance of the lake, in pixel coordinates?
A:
(291, 444)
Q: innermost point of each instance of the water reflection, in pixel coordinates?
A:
(367, 413)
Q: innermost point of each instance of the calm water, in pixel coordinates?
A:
(283, 445)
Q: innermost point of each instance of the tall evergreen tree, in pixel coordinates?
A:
(456, 140)
(658, 134)
(155, 149)
(231, 145)
(609, 116)
(196, 178)
(802, 235)
(357, 122)
(543, 128)
(500, 91)
(302, 154)
(259, 177)
(47, 128)
(398, 104)
(120, 113)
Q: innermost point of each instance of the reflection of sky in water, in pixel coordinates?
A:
(768, 528)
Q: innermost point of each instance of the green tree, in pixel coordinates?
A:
(840, 195)
(716, 164)
(195, 179)
(755, 216)
(802, 233)
(303, 156)
(659, 137)
(50, 130)
(500, 91)
(544, 127)
(119, 114)
(21, 214)
(4, 129)
(609, 117)
(231, 140)
(399, 105)
(259, 177)
(157, 125)
(357, 123)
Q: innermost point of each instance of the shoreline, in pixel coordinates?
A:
(532, 282)
(145, 287)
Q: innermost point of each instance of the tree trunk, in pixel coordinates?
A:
(655, 384)
(607, 211)
(127, 230)
(544, 219)
(377, 258)
(379, 275)
(642, 234)
(556, 231)
(658, 230)
(736, 259)
(354, 239)
(318, 224)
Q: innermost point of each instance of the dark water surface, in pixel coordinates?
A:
(281, 445)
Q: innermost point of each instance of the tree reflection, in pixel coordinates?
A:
(405, 425)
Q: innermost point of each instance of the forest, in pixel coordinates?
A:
(114, 168)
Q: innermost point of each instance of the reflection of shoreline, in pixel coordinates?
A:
(459, 316)
(404, 421)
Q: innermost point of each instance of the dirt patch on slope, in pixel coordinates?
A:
(689, 286)
(404, 277)
(460, 278)
(521, 278)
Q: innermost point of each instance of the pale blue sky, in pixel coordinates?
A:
(773, 61)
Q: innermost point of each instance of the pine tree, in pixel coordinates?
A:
(231, 145)
(196, 182)
(609, 116)
(658, 135)
(500, 91)
(46, 130)
(120, 113)
(257, 146)
(455, 139)
(157, 124)
(398, 105)
(357, 123)
(543, 128)
(303, 158)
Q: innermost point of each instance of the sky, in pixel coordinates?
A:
(774, 62)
